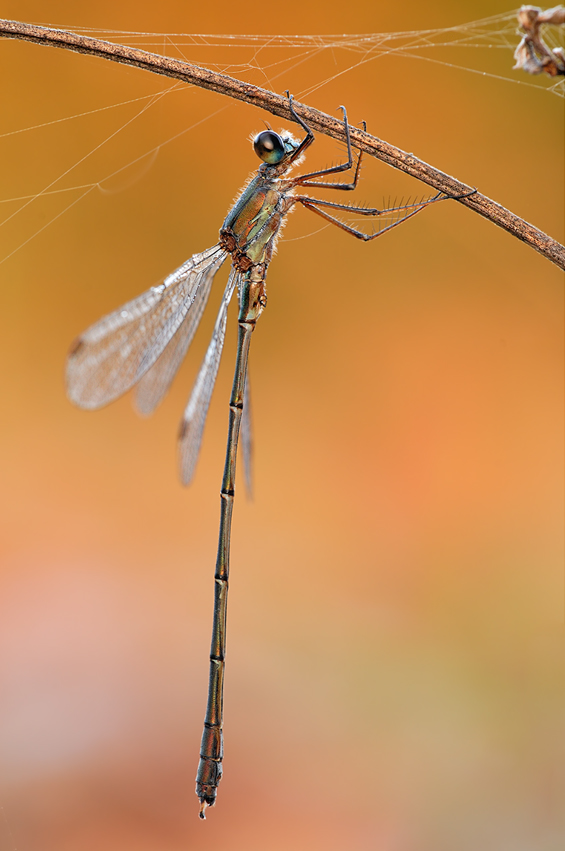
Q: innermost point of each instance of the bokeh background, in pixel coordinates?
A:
(395, 648)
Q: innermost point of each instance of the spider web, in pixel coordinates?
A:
(256, 58)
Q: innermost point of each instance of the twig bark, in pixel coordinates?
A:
(278, 105)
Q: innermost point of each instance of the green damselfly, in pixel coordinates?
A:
(144, 342)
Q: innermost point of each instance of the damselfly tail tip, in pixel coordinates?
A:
(202, 811)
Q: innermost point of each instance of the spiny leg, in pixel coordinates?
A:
(415, 206)
(305, 179)
(370, 211)
(301, 181)
(314, 204)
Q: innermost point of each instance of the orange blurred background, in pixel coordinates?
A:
(395, 649)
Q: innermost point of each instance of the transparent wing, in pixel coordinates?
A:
(114, 353)
(153, 386)
(247, 439)
(194, 417)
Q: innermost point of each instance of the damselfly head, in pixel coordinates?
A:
(273, 148)
(269, 147)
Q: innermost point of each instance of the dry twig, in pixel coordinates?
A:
(278, 105)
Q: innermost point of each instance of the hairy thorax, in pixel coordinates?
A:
(251, 227)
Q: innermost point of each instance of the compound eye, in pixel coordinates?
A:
(269, 147)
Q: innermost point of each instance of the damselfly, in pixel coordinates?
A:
(144, 342)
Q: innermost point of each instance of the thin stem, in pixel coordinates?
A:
(279, 105)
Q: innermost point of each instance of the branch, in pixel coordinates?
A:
(278, 105)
